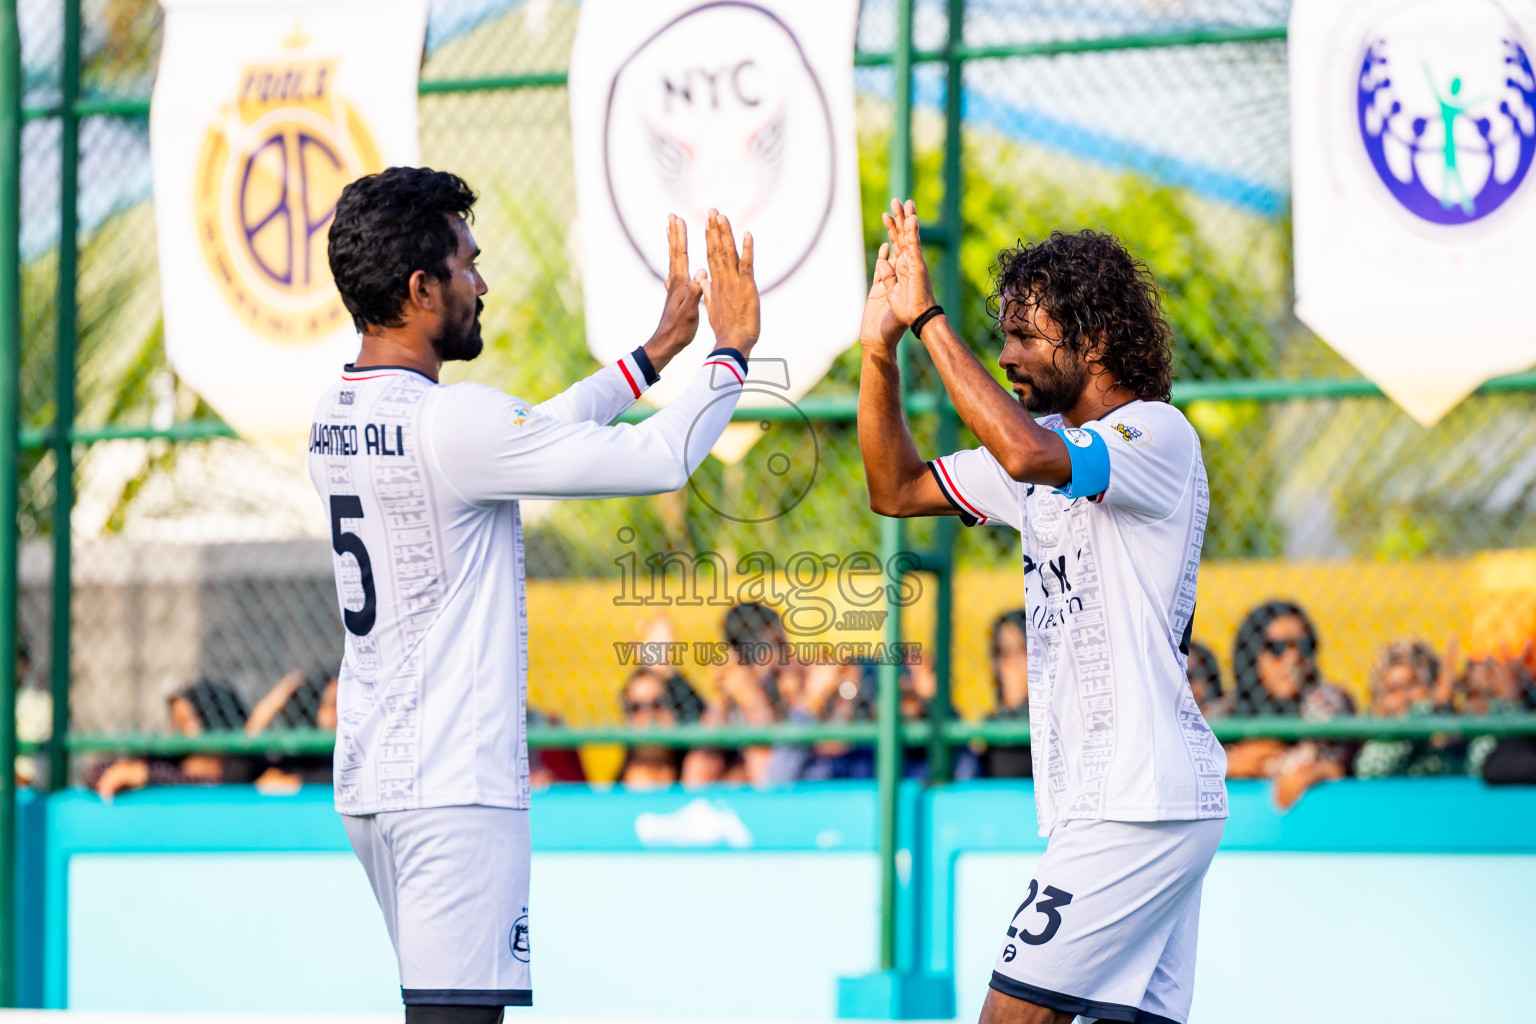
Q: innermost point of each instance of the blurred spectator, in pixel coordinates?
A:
(753, 631)
(34, 718)
(914, 707)
(204, 706)
(1274, 666)
(297, 701)
(282, 702)
(830, 693)
(555, 764)
(1404, 682)
(1303, 765)
(1512, 762)
(1274, 660)
(1494, 686)
(655, 698)
(1010, 687)
(747, 692)
(1204, 674)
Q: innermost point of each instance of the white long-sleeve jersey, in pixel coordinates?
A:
(421, 482)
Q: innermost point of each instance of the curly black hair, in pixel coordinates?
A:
(1098, 293)
(388, 226)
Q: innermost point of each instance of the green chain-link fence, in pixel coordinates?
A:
(196, 555)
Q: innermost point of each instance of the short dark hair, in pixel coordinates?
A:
(388, 226)
(216, 704)
(1097, 291)
(750, 622)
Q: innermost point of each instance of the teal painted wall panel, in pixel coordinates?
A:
(614, 934)
(678, 902)
(1284, 937)
(255, 932)
(31, 859)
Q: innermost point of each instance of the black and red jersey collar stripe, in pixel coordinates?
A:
(379, 371)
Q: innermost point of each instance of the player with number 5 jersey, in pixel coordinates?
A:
(421, 483)
(1108, 492)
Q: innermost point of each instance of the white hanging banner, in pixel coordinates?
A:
(262, 112)
(678, 106)
(1413, 127)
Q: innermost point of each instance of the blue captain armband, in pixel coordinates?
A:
(1090, 463)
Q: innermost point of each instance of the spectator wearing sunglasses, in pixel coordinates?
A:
(1274, 660)
(1274, 668)
(656, 698)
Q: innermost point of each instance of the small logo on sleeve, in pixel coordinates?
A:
(1133, 436)
(1078, 436)
(518, 415)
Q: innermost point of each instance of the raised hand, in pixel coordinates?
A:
(912, 292)
(730, 293)
(680, 312)
(880, 327)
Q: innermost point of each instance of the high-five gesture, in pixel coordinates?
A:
(730, 293)
(880, 328)
(911, 294)
(680, 313)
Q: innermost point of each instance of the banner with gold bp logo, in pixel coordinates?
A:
(262, 113)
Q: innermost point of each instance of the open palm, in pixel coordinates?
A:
(880, 326)
(911, 293)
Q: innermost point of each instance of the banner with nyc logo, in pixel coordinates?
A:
(678, 106)
(1413, 137)
(262, 112)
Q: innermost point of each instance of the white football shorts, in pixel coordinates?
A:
(453, 885)
(1108, 925)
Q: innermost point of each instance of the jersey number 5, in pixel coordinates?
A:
(350, 506)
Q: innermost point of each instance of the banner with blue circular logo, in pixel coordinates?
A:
(1413, 139)
(263, 111)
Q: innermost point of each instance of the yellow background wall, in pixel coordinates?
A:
(1486, 601)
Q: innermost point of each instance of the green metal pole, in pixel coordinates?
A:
(940, 754)
(892, 535)
(10, 414)
(64, 393)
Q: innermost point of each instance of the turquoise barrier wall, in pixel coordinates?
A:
(742, 903)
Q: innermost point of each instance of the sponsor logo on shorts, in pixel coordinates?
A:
(517, 939)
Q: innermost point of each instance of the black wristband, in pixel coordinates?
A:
(923, 318)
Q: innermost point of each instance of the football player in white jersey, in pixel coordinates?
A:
(421, 483)
(1108, 491)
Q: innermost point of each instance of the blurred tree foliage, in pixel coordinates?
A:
(1221, 316)
(1225, 317)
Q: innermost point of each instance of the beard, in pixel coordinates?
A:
(459, 339)
(1053, 389)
